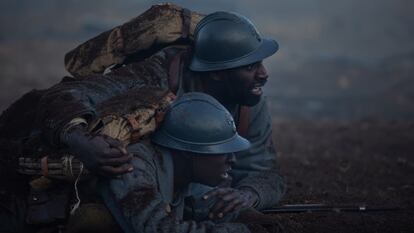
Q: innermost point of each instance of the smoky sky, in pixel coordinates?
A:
(368, 29)
(35, 35)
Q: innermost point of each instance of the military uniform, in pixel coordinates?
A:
(146, 199)
(80, 98)
(255, 168)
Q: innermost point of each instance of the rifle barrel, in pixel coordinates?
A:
(320, 208)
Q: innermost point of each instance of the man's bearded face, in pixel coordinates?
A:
(245, 83)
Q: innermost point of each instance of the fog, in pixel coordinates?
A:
(337, 59)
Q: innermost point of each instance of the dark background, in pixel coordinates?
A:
(341, 91)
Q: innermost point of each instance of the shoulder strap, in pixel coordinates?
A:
(243, 121)
(186, 17)
(176, 64)
(176, 69)
(174, 73)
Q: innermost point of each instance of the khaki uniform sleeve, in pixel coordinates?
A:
(143, 208)
(257, 167)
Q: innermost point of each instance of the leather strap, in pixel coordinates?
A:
(174, 72)
(243, 123)
(186, 15)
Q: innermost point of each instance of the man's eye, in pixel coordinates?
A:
(250, 67)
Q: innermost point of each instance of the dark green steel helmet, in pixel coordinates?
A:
(197, 122)
(224, 40)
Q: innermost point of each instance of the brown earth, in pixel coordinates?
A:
(362, 162)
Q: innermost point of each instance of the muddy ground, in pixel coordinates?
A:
(367, 161)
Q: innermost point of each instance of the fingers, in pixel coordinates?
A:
(116, 161)
(221, 208)
(231, 196)
(114, 143)
(217, 192)
(216, 209)
(234, 205)
(229, 200)
(110, 147)
(113, 153)
(109, 171)
(112, 158)
(105, 156)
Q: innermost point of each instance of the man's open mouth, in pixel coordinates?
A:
(225, 175)
(257, 89)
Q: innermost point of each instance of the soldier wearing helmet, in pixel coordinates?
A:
(226, 63)
(230, 50)
(195, 143)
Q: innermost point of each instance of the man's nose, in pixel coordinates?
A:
(262, 72)
(231, 158)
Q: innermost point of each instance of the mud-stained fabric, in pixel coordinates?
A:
(145, 197)
(161, 25)
(82, 98)
(255, 168)
(133, 115)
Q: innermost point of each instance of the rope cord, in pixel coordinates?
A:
(78, 200)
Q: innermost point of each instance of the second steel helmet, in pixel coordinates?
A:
(197, 122)
(224, 40)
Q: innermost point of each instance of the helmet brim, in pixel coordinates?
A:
(236, 144)
(267, 48)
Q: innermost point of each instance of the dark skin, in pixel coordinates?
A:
(207, 169)
(230, 200)
(241, 85)
(210, 170)
(100, 154)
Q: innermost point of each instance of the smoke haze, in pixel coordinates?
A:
(337, 59)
